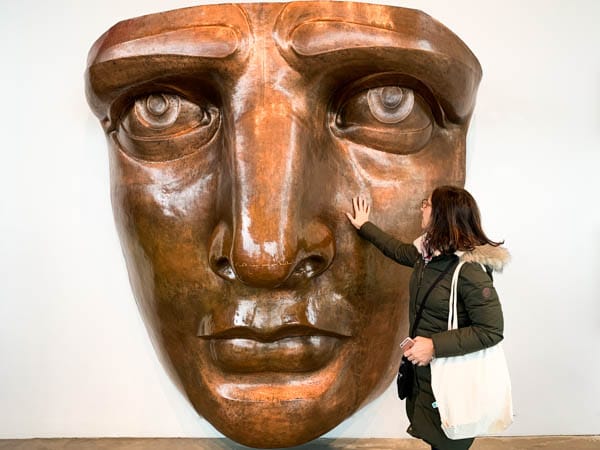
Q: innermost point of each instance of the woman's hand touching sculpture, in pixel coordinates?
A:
(362, 209)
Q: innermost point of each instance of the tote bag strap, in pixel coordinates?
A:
(452, 306)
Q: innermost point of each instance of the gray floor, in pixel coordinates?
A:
(508, 443)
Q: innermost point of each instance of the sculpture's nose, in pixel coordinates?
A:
(271, 263)
(275, 237)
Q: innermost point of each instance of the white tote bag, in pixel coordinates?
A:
(472, 391)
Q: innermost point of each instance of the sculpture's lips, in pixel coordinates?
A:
(287, 335)
(289, 354)
(270, 335)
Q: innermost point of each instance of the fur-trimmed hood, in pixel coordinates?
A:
(493, 257)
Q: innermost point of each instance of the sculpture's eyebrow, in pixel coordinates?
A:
(209, 31)
(318, 37)
(403, 40)
(199, 41)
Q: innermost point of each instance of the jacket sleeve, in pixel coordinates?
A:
(486, 327)
(402, 253)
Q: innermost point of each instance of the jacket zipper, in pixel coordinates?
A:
(419, 283)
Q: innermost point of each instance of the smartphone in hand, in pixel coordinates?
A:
(406, 344)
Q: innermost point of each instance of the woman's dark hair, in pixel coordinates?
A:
(455, 222)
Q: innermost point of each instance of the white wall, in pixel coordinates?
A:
(74, 356)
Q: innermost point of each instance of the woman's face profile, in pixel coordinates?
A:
(237, 135)
(426, 212)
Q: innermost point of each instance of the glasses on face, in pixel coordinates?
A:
(425, 203)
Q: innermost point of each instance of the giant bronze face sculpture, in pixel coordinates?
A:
(237, 136)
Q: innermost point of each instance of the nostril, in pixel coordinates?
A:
(313, 266)
(222, 267)
(219, 246)
(310, 267)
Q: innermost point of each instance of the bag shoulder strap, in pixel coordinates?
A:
(453, 302)
(413, 328)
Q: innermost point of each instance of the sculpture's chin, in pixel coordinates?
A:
(276, 415)
(283, 409)
(279, 424)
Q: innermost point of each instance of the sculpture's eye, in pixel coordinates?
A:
(162, 127)
(394, 119)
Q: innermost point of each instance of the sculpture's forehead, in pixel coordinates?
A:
(230, 26)
(258, 15)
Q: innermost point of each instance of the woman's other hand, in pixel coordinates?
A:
(362, 209)
(421, 353)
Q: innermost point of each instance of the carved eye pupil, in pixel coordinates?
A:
(390, 104)
(157, 104)
(158, 111)
(391, 96)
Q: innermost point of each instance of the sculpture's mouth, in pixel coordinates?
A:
(294, 348)
(291, 336)
(290, 363)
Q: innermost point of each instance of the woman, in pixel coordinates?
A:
(452, 232)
